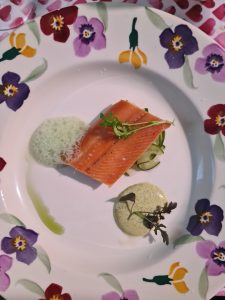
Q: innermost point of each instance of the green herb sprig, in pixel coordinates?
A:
(159, 142)
(123, 129)
(151, 219)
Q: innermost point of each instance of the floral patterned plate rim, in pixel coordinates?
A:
(58, 236)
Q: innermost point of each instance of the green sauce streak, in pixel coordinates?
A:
(43, 212)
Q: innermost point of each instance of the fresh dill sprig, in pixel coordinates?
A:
(123, 129)
(151, 219)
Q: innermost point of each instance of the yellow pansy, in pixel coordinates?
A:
(175, 277)
(136, 57)
(18, 41)
(177, 273)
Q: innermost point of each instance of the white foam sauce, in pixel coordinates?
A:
(56, 138)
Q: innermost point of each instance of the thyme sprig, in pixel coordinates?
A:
(151, 219)
(123, 129)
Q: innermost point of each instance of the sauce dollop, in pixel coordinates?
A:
(147, 198)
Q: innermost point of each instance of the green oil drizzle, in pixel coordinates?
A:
(43, 211)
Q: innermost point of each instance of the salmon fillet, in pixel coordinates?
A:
(103, 156)
(98, 139)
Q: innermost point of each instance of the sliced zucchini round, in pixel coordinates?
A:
(148, 165)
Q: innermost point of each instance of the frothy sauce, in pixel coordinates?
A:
(56, 139)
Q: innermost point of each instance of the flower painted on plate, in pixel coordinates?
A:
(179, 43)
(21, 242)
(220, 294)
(127, 294)
(214, 254)
(19, 47)
(90, 34)
(19, 42)
(216, 123)
(134, 55)
(2, 163)
(175, 277)
(57, 22)
(5, 265)
(12, 91)
(212, 62)
(120, 293)
(208, 217)
(54, 292)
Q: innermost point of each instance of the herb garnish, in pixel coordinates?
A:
(123, 129)
(151, 219)
(159, 142)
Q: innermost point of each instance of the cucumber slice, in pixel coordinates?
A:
(155, 149)
(148, 165)
(145, 157)
(129, 172)
(149, 159)
(150, 154)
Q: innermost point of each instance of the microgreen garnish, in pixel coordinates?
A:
(123, 129)
(128, 197)
(151, 219)
(159, 142)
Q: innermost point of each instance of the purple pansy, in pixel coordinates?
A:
(12, 91)
(127, 295)
(2, 163)
(179, 43)
(21, 241)
(208, 217)
(212, 62)
(215, 256)
(5, 265)
(90, 34)
(220, 293)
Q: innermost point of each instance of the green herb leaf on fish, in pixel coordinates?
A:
(123, 129)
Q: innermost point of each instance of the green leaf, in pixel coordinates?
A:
(187, 238)
(112, 281)
(32, 287)
(203, 284)
(37, 72)
(2, 298)
(43, 211)
(187, 74)
(156, 19)
(11, 219)
(33, 26)
(44, 258)
(103, 13)
(219, 148)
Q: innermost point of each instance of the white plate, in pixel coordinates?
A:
(192, 168)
